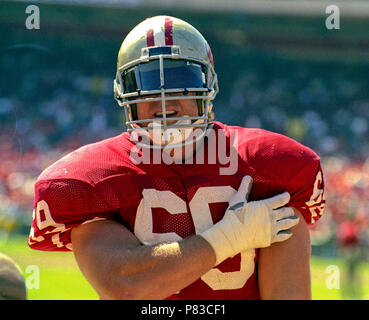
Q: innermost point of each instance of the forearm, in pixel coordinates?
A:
(118, 266)
(156, 272)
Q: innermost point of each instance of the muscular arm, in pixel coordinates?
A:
(284, 268)
(118, 266)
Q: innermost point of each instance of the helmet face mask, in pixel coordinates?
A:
(149, 73)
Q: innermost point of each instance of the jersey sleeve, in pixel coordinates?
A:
(290, 166)
(61, 205)
(306, 188)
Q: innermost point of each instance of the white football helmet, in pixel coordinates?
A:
(164, 55)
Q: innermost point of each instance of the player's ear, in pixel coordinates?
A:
(211, 116)
(211, 113)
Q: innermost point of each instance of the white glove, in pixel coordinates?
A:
(248, 225)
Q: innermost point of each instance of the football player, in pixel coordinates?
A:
(181, 229)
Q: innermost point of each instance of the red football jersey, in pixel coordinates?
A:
(169, 202)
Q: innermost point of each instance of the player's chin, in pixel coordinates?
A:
(170, 122)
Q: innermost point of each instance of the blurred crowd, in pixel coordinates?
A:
(348, 195)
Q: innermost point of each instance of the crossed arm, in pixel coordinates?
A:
(118, 266)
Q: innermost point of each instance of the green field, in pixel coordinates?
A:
(59, 276)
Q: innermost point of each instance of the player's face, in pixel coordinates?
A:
(174, 108)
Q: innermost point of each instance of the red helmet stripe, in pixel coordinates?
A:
(168, 31)
(150, 38)
(210, 55)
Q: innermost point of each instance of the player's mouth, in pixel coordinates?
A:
(168, 114)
